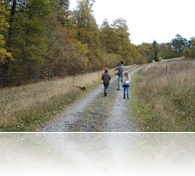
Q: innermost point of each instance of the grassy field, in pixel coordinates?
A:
(27, 107)
(163, 97)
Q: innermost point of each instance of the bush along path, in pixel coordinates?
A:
(96, 113)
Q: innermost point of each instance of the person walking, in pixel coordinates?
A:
(106, 81)
(120, 70)
(126, 85)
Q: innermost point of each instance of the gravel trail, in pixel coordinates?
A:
(95, 113)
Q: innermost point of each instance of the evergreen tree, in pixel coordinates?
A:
(155, 51)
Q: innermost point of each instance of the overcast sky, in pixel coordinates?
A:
(149, 20)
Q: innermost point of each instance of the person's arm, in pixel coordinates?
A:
(102, 81)
(116, 68)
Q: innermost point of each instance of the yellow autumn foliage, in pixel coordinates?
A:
(4, 54)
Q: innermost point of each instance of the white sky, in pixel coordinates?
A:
(149, 19)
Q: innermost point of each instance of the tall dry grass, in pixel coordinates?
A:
(27, 107)
(167, 93)
(18, 101)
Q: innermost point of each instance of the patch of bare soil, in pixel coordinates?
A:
(96, 113)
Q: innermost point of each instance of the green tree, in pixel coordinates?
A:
(166, 51)
(88, 32)
(46, 38)
(121, 41)
(106, 33)
(121, 35)
(4, 54)
(109, 56)
(115, 39)
(25, 39)
(146, 51)
(179, 44)
(65, 54)
(190, 50)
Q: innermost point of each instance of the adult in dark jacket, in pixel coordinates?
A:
(106, 81)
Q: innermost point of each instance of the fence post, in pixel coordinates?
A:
(166, 69)
(73, 81)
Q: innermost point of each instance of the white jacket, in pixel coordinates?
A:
(126, 82)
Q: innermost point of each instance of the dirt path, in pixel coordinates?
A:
(96, 113)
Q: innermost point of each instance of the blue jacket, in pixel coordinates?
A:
(120, 70)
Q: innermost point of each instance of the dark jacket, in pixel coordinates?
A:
(106, 78)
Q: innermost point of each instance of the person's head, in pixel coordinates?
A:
(126, 75)
(121, 62)
(106, 70)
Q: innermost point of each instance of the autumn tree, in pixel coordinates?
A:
(109, 58)
(25, 39)
(146, 50)
(121, 41)
(106, 33)
(166, 51)
(4, 54)
(115, 39)
(46, 38)
(87, 32)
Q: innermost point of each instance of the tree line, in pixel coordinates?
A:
(177, 47)
(44, 38)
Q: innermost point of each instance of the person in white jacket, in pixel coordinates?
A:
(126, 85)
